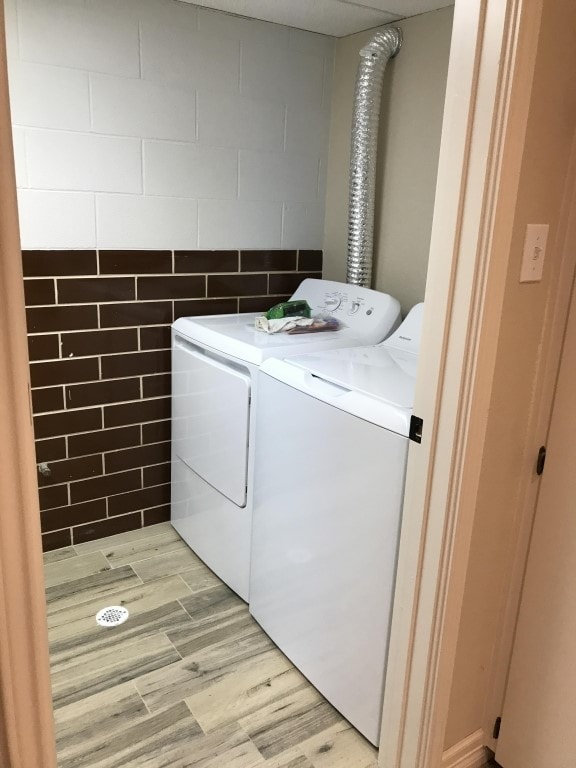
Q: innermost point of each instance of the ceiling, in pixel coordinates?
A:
(329, 17)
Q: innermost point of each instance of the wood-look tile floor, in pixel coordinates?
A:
(190, 680)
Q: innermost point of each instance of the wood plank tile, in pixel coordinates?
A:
(144, 743)
(200, 670)
(199, 579)
(56, 555)
(71, 594)
(81, 726)
(256, 709)
(282, 725)
(213, 632)
(269, 678)
(138, 599)
(143, 548)
(79, 566)
(89, 637)
(340, 747)
(229, 747)
(104, 669)
(125, 538)
(219, 602)
(181, 559)
(289, 760)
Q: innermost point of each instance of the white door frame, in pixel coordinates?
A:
(487, 100)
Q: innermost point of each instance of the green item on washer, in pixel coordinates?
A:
(299, 307)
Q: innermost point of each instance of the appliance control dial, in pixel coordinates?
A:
(332, 302)
(355, 306)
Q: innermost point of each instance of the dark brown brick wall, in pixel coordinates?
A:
(99, 341)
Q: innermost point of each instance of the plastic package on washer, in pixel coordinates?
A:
(293, 325)
(281, 324)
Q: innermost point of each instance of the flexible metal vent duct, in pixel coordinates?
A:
(368, 91)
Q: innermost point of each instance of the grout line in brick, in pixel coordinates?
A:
(90, 102)
(95, 215)
(238, 174)
(282, 223)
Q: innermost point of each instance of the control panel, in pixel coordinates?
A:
(347, 303)
(369, 312)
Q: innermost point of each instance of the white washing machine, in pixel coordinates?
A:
(332, 433)
(214, 364)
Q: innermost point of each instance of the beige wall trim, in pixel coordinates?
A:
(468, 753)
(26, 732)
(559, 303)
(458, 352)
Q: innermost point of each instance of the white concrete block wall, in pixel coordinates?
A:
(157, 124)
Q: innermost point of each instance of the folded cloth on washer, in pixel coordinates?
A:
(319, 324)
(281, 325)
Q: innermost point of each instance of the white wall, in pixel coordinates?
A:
(157, 124)
(407, 163)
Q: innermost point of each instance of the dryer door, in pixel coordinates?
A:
(210, 418)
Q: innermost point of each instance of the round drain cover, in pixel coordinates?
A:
(112, 616)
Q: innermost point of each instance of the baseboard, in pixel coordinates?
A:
(471, 752)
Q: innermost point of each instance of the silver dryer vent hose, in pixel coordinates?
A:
(367, 94)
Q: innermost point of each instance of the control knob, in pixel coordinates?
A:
(333, 302)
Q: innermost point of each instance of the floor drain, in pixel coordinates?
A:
(112, 616)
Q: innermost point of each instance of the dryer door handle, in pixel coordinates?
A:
(206, 357)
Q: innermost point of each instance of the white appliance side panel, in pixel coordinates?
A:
(327, 505)
(210, 418)
(213, 527)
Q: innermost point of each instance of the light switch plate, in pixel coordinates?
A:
(534, 252)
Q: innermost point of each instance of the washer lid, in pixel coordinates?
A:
(408, 335)
(366, 317)
(379, 372)
(235, 335)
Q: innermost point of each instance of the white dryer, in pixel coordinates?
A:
(214, 364)
(332, 433)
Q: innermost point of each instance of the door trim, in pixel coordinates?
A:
(468, 753)
(26, 730)
(554, 333)
(492, 58)
(548, 415)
